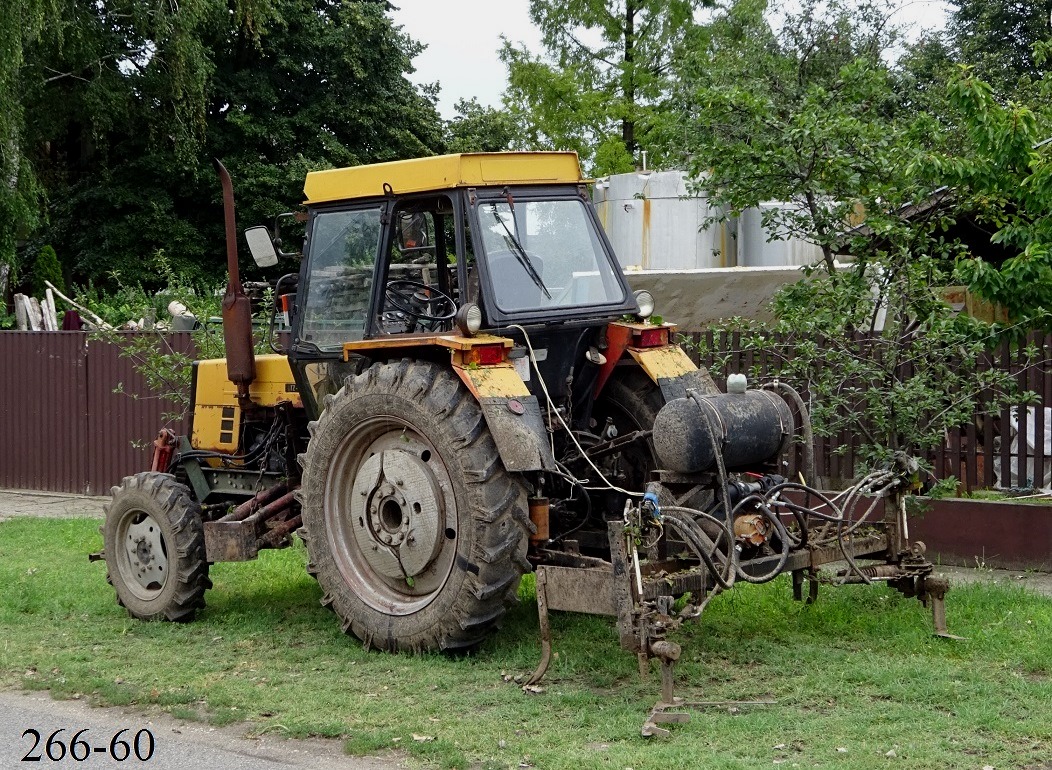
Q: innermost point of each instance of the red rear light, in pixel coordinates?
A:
(486, 355)
(652, 338)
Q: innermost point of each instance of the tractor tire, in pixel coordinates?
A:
(155, 548)
(415, 532)
(632, 400)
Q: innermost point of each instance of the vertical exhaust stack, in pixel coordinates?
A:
(237, 310)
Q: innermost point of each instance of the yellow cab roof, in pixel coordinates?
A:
(443, 172)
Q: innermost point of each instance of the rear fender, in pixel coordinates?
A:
(672, 370)
(666, 364)
(512, 414)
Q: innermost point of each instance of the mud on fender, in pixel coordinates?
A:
(519, 433)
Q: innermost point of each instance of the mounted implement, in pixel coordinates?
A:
(469, 390)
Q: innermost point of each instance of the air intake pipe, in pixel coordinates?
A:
(237, 310)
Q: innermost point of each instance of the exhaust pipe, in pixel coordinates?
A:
(237, 310)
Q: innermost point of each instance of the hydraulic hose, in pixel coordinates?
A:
(684, 521)
(805, 425)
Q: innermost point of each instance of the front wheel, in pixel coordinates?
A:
(155, 548)
(415, 532)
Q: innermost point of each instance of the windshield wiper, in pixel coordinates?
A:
(521, 255)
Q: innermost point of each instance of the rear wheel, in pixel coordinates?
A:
(415, 532)
(155, 549)
(632, 401)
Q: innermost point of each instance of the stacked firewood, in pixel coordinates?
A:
(32, 314)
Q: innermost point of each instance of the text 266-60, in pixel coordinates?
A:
(124, 745)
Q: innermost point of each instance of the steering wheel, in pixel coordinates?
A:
(420, 301)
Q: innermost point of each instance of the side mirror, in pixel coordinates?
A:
(261, 246)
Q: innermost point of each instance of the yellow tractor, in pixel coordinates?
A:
(469, 390)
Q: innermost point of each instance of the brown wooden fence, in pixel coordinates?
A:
(63, 427)
(979, 454)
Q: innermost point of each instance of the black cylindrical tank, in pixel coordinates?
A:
(751, 427)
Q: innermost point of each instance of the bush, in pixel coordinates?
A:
(47, 268)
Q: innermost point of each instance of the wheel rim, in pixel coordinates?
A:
(391, 516)
(142, 554)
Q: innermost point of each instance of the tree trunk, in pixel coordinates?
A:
(628, 123)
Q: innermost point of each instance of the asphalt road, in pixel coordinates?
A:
(176, 745)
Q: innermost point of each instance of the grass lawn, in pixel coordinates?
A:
(858, 679)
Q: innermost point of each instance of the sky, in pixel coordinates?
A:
(463, 37)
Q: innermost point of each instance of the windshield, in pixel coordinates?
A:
(545, 254)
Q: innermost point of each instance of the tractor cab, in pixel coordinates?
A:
(399, 253)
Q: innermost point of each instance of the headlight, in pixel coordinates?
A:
(469, 319)
(645, 300)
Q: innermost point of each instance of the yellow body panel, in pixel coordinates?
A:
(451, 341)
(216, 428)
(443, 172)
(499, 381)
(217, 416)
(669, 361)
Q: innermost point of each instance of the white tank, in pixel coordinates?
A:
(755, 249)
(655, 224)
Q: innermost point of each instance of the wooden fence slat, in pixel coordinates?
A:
(1035, 382)
(971, 476)
(1022, 421)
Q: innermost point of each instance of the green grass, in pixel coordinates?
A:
(858, 671)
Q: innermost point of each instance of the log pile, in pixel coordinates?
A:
(32, 314)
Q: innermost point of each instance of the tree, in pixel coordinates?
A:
(811, 116)
(922, 72)
(20, 24)
(1001, 175)
(997, 38)
(47, 268)
(596, 98)
(479, 129)
(126, 104)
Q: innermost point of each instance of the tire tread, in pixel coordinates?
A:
(495, 497)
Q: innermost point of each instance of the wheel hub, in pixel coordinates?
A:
(396, 509)
(146, 557)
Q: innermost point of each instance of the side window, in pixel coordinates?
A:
(343, 246)
(421, 291)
